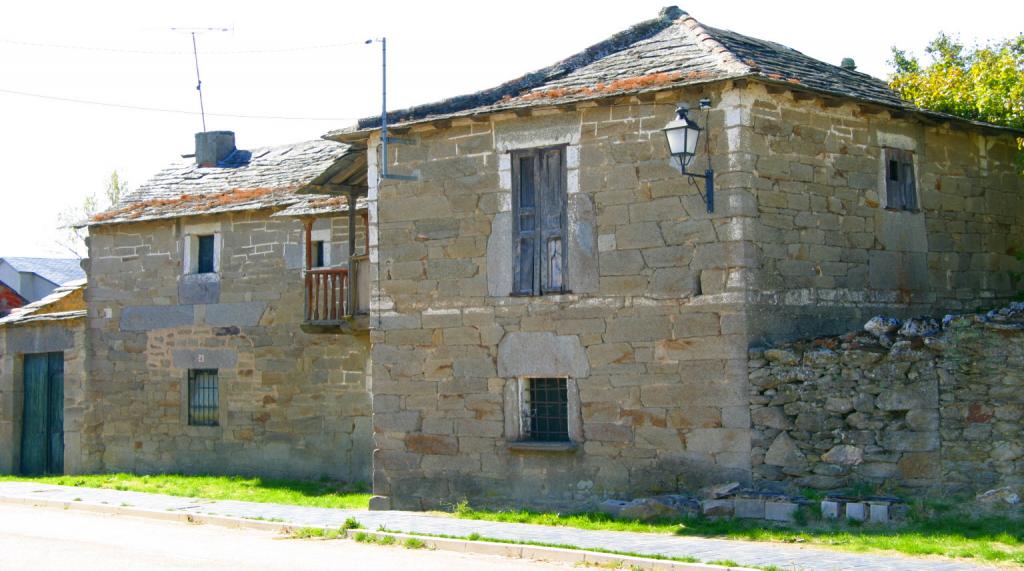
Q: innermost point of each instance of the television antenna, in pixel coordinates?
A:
(195, 55)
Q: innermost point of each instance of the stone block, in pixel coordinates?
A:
(780, 511)
(146, 318)
(196, 289)
(542, 355)
(749, 508)
(717, 508)
(247, 314)
(380, 503)
(856, 511)
(204, 358)
(499, 256)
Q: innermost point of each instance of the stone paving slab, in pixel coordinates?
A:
(790, 557)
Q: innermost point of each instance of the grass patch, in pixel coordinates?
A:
(992, 538)
(412, 543)
(323, 493)
(317, 533)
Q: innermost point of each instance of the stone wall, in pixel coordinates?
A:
(939, 409)
(831, 254)
(68, 336)
(652, 336)
(292, 403)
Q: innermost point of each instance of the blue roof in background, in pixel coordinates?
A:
(58, 270)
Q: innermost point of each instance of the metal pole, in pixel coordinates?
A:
(384, 107)
(199, 82)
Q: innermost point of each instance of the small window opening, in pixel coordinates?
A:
(203, 397)
(894, 170)
(205, 265)
(318, 254)
(549, 410)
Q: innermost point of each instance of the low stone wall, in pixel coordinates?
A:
(936, 407)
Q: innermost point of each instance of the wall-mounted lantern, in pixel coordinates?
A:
(683, 134)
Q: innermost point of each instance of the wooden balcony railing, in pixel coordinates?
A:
(325, 295)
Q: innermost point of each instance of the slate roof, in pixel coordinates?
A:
(57, 270)
(273, 177)
(58, 298)
(318, 205)
(671, 50)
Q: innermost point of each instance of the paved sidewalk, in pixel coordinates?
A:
(788, 557)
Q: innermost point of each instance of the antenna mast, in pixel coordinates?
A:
(195, 55)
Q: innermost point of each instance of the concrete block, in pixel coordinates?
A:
(750, 508)
(856, 511)
(878, 512)
(145, 318)
(380, 503)
(780, 511)
(830, 509)
(199, 288)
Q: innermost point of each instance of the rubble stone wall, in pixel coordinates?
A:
(292, 403)
(940, 412)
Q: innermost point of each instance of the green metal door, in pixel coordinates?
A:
(42, 426)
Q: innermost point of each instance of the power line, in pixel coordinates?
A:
(176, 52)
(164, 110)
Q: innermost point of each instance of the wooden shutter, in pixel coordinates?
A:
(553, 219)
(539, 220)
(893, 179)
(524, 210)
(900, 184)
(909, 184)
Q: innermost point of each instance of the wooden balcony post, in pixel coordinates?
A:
(307, 299)
(350, 294)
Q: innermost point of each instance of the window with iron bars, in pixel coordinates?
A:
(548, 410)
(203, 397)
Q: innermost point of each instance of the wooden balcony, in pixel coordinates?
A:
(329, 305)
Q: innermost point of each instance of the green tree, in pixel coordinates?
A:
(73, 239)
(983, 83)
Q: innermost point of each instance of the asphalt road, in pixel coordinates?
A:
(43, 539)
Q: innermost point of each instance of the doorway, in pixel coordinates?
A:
(42, 426)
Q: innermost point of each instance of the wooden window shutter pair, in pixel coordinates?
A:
(539, 220)
(900, 186)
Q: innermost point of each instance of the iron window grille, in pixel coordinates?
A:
(203, 397)
(549, 410)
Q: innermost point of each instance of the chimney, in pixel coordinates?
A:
(213, 146)
(849, 64)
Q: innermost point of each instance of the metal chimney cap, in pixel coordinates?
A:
(848, 63)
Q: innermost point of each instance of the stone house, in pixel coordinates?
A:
(557, 318)
(220, 330)
(42, 382)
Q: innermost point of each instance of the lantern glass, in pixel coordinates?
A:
(682, 135)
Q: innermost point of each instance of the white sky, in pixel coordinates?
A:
(54, 153)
